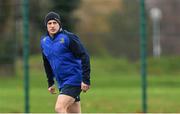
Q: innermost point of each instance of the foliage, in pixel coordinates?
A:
(65, 9)
(4, 10)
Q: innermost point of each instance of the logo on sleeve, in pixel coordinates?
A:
(44, 39)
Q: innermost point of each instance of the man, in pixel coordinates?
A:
(66, 60)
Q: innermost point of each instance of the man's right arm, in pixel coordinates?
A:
(48, 70)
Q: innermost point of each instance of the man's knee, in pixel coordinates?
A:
(63, 102)
(60, 109)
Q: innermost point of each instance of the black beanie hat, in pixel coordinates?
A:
(52, 16)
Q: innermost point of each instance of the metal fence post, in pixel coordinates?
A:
(143, 55)
(26, 52)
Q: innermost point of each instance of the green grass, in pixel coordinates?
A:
(116, 87)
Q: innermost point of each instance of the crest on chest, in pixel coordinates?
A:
(62, 41)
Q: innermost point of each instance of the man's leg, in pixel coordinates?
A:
(63, 102)
(75, 108)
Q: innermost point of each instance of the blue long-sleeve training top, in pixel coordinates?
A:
(65, 59)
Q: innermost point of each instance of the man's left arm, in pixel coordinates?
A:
(80, 52)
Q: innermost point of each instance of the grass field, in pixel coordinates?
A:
(116, 87)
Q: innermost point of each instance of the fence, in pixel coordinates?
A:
(108, 28)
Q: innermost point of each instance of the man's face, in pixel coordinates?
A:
(52, 27)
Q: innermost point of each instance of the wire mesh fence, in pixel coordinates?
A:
(108, 29)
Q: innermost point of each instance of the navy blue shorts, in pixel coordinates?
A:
(73, 91)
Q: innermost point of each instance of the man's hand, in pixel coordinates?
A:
(84, 87)
(52, 89)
